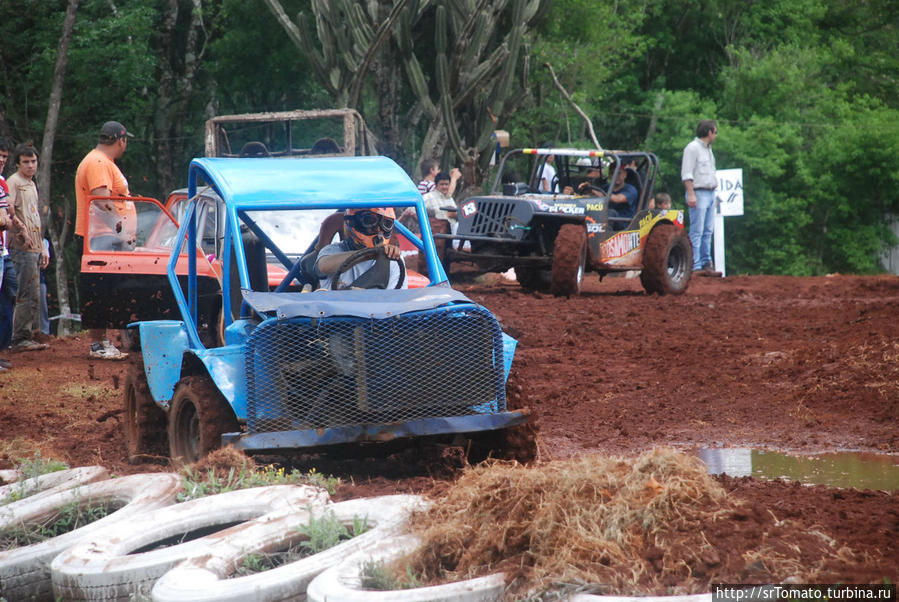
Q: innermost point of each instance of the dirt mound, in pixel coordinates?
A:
(612, 520)
(645, 525)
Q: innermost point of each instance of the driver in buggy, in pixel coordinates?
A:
(365, 258)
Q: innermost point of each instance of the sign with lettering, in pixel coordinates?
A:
(730, 192)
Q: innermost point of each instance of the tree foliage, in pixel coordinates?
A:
(803, 90)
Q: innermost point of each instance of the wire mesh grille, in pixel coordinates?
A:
(319, 373)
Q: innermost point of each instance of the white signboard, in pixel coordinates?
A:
(730, 192)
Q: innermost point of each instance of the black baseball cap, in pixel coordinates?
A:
(112, 131)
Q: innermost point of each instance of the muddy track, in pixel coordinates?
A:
(799, 364)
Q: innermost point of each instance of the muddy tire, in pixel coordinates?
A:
(144, 423)
(197, 418)
(569, 259)
(534, 279)
(667, 261)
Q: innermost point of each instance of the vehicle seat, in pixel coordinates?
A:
(257, 269)
(254, 149)
(635, 179)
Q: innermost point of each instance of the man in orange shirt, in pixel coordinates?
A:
(108, 225)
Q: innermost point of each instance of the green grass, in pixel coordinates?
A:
(67, 518)
(31, 468)
(199, 484)
(378, 575)
(323, 532)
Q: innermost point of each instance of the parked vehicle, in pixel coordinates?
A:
(305, 369)
(129, 283)
(552, 239)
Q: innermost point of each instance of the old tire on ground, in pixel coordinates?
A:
(117, 562)
(210, 576)
(535, 279)
(341, 582)
(29, 490)
(667, 261)
(144, 423)
(25, 571)
(198, 416)
(569, 259)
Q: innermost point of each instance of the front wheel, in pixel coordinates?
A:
(667, 261)
(144, 423)
(569, 259)
(198, 416)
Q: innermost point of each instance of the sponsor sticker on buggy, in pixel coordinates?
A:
(566, 208)
(620, 245)
(469, 208)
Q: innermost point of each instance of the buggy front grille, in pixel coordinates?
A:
(320, 373)
(501, 218)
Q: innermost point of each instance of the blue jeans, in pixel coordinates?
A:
(702, 224)
(8, 292)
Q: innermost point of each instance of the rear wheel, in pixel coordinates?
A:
(198, 417)
(667, 261)
(569, 260)
(144, 421)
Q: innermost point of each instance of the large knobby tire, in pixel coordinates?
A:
(667, 261)
(569, 259)
(144, 423)
(535, 279)
(197, 418)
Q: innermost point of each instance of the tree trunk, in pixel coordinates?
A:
(176, 85)
(57, 238)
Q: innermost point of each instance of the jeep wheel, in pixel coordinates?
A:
(144, 423)
(667, 261)
(535, 279)
(198, 417)
(569, 259)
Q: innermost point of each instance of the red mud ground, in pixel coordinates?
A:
(797, 364)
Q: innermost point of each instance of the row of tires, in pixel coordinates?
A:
(153, 548)
(149, 547)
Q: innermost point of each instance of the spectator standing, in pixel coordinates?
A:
(440, 199)
(6, 306)
(700, 182)
(98, 175)
(546, 182)
(26, 248)
(429, 170)
(45, 310)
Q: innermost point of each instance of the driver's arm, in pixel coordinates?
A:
(328, 264)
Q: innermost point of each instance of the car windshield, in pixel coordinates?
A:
(292, 230)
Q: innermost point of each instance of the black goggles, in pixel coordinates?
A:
(369, 222)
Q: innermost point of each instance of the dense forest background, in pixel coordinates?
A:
(804, 92)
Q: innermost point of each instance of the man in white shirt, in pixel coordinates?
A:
(700, 182)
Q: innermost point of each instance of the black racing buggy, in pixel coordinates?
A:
(552, 238)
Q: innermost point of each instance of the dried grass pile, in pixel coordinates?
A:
(595, 519)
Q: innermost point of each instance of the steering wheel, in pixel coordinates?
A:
(363, 281)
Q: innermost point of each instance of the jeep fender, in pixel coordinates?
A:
(165, 345)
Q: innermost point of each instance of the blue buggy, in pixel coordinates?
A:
(299, 368)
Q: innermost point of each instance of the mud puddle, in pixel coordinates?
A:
(834, 469)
